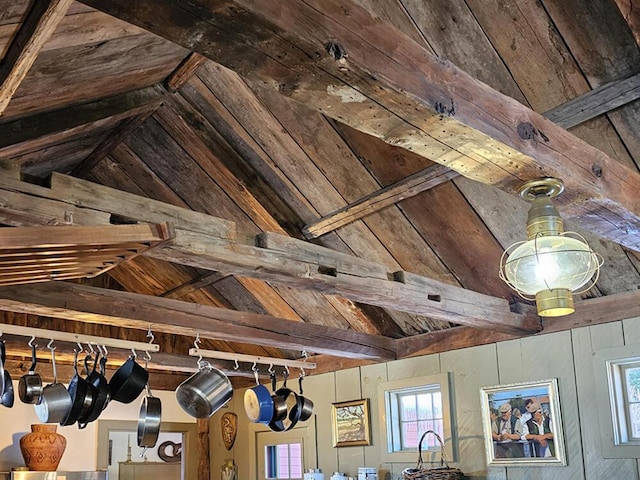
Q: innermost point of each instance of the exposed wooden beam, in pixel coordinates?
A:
(338, 59)
(124, 309)
(288, 261)
(42, 124)
(184, 72)
(41, 21)
(126, 128)
(407, 187)
(596, 102)
(594, 311)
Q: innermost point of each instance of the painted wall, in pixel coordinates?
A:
(566, 356)
(81, 451)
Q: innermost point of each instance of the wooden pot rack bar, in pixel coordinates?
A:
(76, 338)
(283, 362)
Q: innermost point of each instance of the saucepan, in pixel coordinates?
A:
(258, 403)
(6, 393)
(303, 408)
(128, 382)
(205, 392)
(149, 421)
(30, 385)
(55, 401)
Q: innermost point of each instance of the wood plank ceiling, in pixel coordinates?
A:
(360, 126)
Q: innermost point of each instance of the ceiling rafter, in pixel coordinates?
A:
(41, 21)
(348, 67)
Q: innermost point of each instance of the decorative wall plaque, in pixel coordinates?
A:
(229, 423)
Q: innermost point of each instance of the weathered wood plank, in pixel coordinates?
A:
(439, 300)
(407, 187)
(404, 95)
(109, 307)
(184, 72)
(596, 102)
(42, 20)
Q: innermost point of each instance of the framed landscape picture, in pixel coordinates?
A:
(351, 423)
(522, 424)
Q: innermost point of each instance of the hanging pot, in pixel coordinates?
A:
(55, 402)
(289, 398)
(6, 393)
(205, 392)
(258, 403)
(101, 388)
(30, 385)
(303, 408)
(128, 382)
(82, 394)
(149, 420)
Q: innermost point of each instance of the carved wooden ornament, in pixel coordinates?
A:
(229, 424)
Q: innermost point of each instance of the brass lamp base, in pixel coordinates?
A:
(554, 303)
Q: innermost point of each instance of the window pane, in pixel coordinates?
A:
(283, 461)
(437, 405)
(409, 435)
(634, 420)
(633, 384)
(408, 407)
(296, 460)
(425, 410)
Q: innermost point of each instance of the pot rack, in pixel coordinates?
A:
(77, 338)
(240, 357)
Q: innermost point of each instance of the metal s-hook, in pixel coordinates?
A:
(152, 337)
(235, 365)
(270, 368)
(30, 343)
(196, 345)
(50, 345)
(255, 372)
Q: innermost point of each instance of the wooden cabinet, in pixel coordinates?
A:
(149, 471)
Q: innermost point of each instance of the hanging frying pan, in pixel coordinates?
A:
(6, 395)
(81, 393)
(149, 420)
(101, 394)
(128, 382)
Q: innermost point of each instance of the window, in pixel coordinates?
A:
(412, 412)
(283, 461)
(617, 382)
(411, 407)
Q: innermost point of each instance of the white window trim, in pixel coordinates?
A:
(605, 363)
(444, 380)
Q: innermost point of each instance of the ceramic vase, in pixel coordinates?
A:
(42, 449)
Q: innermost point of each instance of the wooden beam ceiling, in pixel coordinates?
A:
(124, 309)
(338, 59)
(41, 21)
(214, 244)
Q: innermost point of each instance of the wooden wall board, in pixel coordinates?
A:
(522, 361)
(585, 341)
(471, 369)
(349, 387)
(371, 376)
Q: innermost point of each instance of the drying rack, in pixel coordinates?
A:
(78, 338)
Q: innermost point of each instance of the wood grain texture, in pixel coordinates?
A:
(42, 20)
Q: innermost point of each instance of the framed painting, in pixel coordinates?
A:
(523, 425)
(351, 423)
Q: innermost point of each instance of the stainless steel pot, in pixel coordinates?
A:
(149, 420)
(30, 385)
(205, 392)
(55, 401)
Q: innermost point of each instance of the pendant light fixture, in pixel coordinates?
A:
(552, 264)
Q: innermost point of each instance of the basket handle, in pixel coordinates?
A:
(443, 460)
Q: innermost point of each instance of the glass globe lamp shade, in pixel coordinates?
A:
(550, 268)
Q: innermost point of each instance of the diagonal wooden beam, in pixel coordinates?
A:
(184, 72)
(111, 307)
(596, 102)
(334, 57)
(41, 21)
(410, 186)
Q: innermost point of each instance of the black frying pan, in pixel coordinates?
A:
(128, 382)
(81, 393)
(6, 393)
(100, 396)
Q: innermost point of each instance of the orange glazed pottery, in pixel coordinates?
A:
(42, 449)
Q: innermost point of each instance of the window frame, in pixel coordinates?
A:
(386, 431)
(609, 365)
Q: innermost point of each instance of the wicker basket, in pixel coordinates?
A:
(443, 472)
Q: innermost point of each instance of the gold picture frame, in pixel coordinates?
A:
(351, 426)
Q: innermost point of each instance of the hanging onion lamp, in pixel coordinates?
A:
(552, 265)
